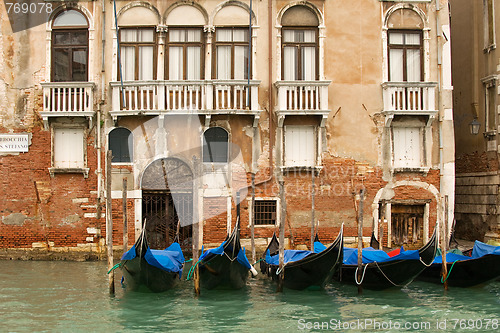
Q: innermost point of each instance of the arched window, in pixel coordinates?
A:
(70, 47)
(215, 145)
(121, 143)
(299, 44)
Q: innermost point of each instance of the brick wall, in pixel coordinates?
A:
(62, 210)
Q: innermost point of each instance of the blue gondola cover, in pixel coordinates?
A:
(372, 255)
(481, 249)
(171, 259)
(290, 256)
(241, 257)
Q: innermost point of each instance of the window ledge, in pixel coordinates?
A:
(84, 171)
(264, 225)
(317, 169)
(423, 170)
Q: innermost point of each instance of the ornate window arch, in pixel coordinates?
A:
(301, 33)
(70, 32)
(406, 43)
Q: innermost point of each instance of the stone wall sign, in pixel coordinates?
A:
(14, 143)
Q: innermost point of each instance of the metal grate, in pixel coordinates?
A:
(162, 212)
(265, 212)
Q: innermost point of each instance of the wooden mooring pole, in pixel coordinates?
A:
(125, 218)
(444, 244)
(196, 229)
(281, 266)
(313, 175)
(109, 224)
(252, 226)
(360, 242)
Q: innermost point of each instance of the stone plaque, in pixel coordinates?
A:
(14, 143)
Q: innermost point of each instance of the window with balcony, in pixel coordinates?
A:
(138, 54)
(405, 55)
(70, 45)
(299, 43)
(231, 53)
(185, 54)
(300, 146)
(121, 143)
(299, 54)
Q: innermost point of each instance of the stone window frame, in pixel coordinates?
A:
(91, 33)
(490, 84)
(489, 25)
(55, 170)
(251, 212)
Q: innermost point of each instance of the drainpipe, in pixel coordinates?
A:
(271, 101)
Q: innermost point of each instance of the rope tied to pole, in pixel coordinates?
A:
(362, 276)
(115, 267)
(449, 272)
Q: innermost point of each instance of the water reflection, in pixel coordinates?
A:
(67, 296)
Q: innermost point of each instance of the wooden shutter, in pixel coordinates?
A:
(68, 148)
(300, 147)
(407, 147)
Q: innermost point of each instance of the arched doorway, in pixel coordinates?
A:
(167, 203)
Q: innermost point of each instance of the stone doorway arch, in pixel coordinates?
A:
(167, 203)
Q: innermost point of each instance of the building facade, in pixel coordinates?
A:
(475, 78)
(207, 104)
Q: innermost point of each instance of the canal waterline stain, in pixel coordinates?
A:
(73, 297)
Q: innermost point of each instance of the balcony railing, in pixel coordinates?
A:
(202, 96)
(70, 98)
(409, 97)
(303, 96)
(73, 99)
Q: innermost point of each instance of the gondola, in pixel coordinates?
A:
(225, 266)
(481, 267)
(380, 271)
(303, 269)
(151, 270)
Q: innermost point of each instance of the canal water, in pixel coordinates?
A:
(73, 297)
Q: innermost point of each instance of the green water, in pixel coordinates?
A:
(73, 297)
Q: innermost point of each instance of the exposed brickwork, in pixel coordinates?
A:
(57, 212)
(476, 162)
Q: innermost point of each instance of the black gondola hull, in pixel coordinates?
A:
(221, 272)
(311, 272)
(384, 275)
(139, 275)
(380, 276)
(466, 273)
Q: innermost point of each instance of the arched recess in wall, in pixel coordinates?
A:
(215, 145)
(185, 45)
(167, 202)
(121, 143)
(232, 13)
(417, 207)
